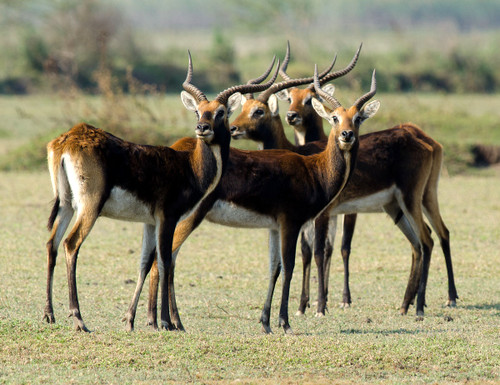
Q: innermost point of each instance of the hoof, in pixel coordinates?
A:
(80, 327)
(420, 316)
(78, 322)
(153, 325)
(451, 303)
(129, 324)
(267, 329)
(319, 314)
(167, 326)
(344, 305)
(178, 327)
(403, 310)
(49, 317)
(288, 330)
(299, 313)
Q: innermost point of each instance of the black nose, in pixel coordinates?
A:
(291, 115)
(233, 129)
(347, 135)
(202, 127)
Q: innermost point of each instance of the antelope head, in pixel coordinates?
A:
(345, 122)
(301, 115)
(259, 116)
(213, 116)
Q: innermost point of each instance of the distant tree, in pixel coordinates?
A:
(77, 38)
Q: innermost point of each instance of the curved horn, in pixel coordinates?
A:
(337, 74)
(284, 66)
(193, 90)
(247, 88)
(363, 99)
(264, 96)
(261, 78)
(325, 95)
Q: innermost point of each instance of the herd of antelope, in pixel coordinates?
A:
(291, 189)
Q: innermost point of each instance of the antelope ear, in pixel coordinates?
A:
(283, 95)
(320, 109)
(272, 102)
(369, 110)
(243, 100)
(233, 102)
(329, 89)
(189, 101)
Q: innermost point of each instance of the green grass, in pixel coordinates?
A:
(221, 274)
(29, 122)
(221, 278)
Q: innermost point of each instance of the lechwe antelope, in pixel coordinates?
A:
(281, 190)
(301, 116)
(194, 100)
(97, 174)
(260, 121)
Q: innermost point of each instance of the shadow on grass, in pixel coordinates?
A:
(485, 306)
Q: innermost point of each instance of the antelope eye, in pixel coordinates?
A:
(220, 114)
(259, 112)
(335, 119)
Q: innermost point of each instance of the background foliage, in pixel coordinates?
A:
(445, 46)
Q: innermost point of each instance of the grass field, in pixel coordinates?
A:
(221, 278)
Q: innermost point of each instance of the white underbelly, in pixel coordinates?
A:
(229, 214)
(125, 206)
(373, 203)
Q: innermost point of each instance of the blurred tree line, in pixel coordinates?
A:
(80, 43)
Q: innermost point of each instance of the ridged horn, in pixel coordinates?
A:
(261, 78)
(284, 66)
(264, 96)
(247, 88)
(193, 90)
(363, 99)
(325, 95)
(337, 74)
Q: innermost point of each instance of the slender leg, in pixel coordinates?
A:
(412, 209)
(431, 211)
(289, 235)
(64, 215)
(182, 230)
(274, 272)
(164, 232)
(176, 320)
(347, 234)
(154, 279)
(330, 241)
(452, 290)
(306, 250)
(72, 244)
(403, 224)
(320, 235)
(425, 273)
(147, 257)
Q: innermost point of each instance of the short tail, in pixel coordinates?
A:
(53, 214)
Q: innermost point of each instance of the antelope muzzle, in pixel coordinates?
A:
(204, 132)
(346, 140)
